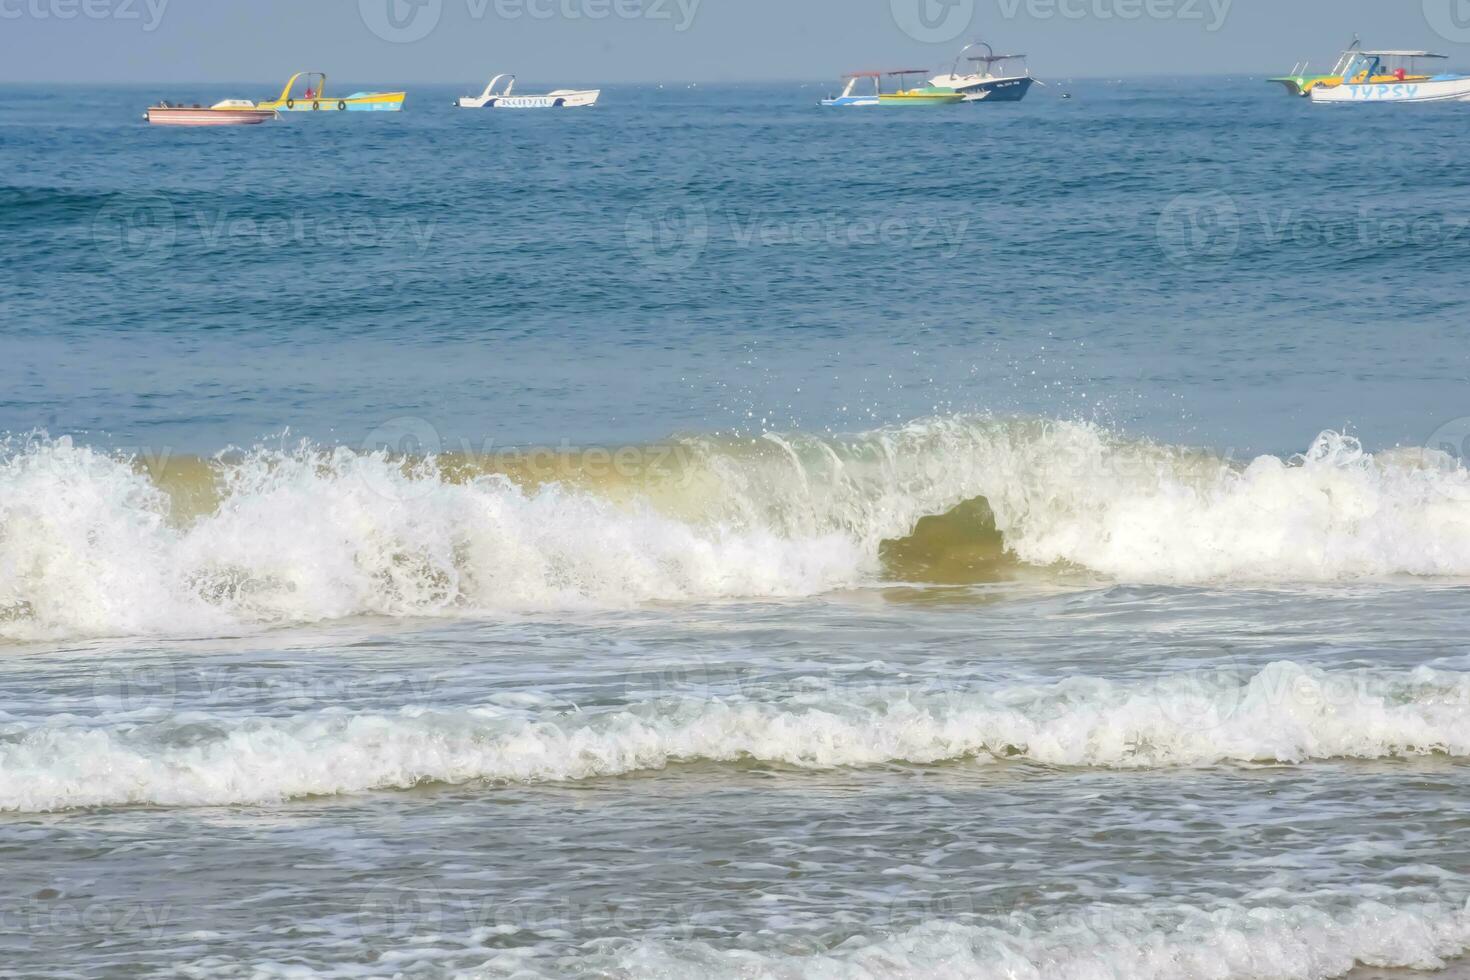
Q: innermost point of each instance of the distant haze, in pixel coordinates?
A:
(405, 41)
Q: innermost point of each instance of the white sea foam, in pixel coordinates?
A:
(1285, 713)
(1294, 943)
(1328, 936)
(87, 546)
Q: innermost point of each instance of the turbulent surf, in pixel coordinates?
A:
(97, 544)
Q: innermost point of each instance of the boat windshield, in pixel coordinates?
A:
(1001, 65)
(1375, 64)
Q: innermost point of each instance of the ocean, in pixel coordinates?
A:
(711, 536)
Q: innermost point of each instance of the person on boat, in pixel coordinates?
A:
(310, 93)
(1400, 74)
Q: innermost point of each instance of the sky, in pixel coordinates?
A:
(610, 41)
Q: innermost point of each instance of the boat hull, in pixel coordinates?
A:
(919, 99)
(997, 90)
(1439, 89)
(1294, 84)
(850, 101)
(376, 102)
(552, 100)
(1305, 85)
(170, 116)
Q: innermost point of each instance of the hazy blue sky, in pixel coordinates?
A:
(403, 41)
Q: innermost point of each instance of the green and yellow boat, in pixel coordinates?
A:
(922, 95)
(1300, 83)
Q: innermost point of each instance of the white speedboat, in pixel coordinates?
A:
(995, 78)
(561, 98)
(1392, 76)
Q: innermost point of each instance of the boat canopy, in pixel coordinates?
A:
(1402, 54)
(316, 83)
(989, 59)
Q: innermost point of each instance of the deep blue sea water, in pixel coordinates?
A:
(1191, 259)
(710, 536)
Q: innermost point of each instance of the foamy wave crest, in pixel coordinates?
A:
(1133, 510)
(1285, 713)
(1298, 942)
(89, 545)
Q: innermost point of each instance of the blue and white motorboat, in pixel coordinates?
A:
(850, 95)
(994, 78)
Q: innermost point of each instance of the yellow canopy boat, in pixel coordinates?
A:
(313, 98)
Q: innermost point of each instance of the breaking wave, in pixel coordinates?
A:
(91, 544)
(1298, 942)
(1286, 713)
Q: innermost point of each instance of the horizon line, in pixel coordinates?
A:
(79, 83)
